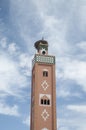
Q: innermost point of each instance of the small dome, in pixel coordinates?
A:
(40, 42)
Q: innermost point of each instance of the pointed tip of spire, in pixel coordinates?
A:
(42, 38)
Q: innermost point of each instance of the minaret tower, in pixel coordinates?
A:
(43, 94)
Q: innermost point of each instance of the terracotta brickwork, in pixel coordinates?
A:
(43, 96)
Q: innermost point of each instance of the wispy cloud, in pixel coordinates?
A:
(77, 108)
(63, 25)
(25, 63)
(82, 46)
(10, 78)
(63, 92)
(9, 110)
(72, 117)
(27, 121)
(13, 48)
(73, 70)
(3, 42)
(77, 123)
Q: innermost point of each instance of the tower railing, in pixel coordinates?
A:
(43, 59)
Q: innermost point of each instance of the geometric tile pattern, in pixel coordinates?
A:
(44, 85)
(45, 115)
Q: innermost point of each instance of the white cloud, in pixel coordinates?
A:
(3, 42)
(27, 121)
(25, 62)
(82, 45)
(12, 48)
(11, 80)
(2, 27)
(9, 110)
(72, 70)
(22, 12)
(82, 18)
(72, 116)
(77, 123)
(45, 24)
(55, 20)
(63, 93)
(77, 108)
(63, 128)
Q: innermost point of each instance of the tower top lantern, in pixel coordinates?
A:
(42, 47)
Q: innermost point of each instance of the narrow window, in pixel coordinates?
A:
(41, 101)
(45, 73)
(48, 102)
(45, 102)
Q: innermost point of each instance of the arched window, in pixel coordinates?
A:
(45, 102)
(45, 99)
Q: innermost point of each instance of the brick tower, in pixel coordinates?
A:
(43, 94)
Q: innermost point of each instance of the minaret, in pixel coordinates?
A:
(43, 94)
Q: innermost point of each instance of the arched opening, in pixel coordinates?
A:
(41, 101)
(45, 102)
(48, 102)
(45, 73)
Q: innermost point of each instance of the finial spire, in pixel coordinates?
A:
(42, 38)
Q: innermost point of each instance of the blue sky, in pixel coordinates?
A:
(63, 24)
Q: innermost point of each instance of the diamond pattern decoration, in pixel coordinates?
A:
(45, 115)
(44, 85)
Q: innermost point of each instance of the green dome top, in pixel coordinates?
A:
(40, 42)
